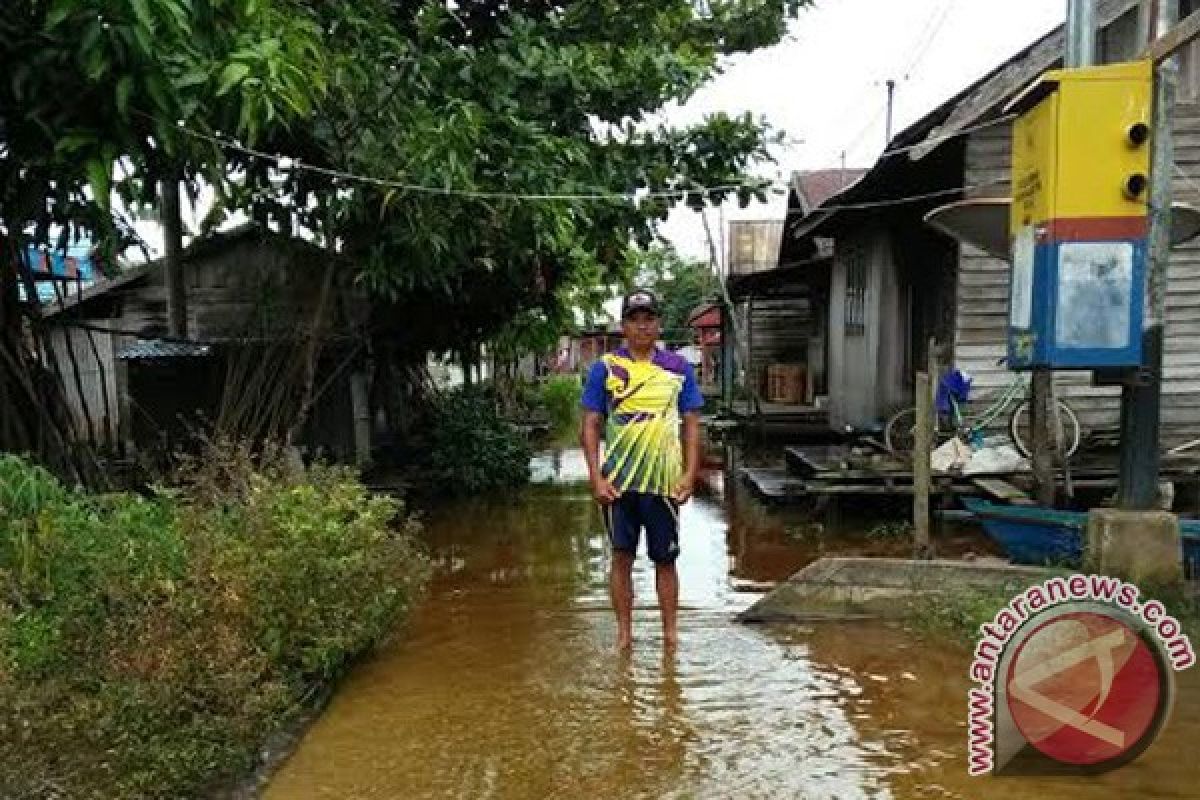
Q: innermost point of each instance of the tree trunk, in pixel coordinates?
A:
(172, 223)
(316, 331)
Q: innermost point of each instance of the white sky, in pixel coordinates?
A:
(824, 85)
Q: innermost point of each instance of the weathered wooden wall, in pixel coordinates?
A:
(982, 319)
(779, 328)
(753, 245)
(241, 289)
(866, 379)
(246, 288)
(96, 389)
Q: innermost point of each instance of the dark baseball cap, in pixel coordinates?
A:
(639, 300)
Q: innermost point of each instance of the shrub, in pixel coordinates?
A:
(148, 646)
(560, 396)
(471, 449)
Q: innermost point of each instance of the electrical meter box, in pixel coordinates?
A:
(1079, 220)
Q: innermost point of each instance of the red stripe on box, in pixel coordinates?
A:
(1097, 229)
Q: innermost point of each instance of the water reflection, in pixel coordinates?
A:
(506, 685)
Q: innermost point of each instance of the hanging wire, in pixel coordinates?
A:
(288, 163)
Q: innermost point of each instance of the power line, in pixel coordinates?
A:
(933, 29)
(933, 25)
(286, 163)
(932, 22)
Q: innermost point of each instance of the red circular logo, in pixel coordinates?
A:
(1085, 688)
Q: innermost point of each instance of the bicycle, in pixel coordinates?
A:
(899, 432)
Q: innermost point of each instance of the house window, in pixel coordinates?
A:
(856, 290)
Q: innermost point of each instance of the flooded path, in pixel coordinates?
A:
(506, 684)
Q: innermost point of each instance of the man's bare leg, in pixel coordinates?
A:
(620, 584)
(666, 580)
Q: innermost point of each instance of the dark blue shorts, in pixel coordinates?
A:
(633, 511)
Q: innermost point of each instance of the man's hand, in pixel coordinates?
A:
(605, 493)
(684, 489)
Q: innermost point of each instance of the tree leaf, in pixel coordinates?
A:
(99, 173)
(194, 77)
(73, 142)
(141, 10)
(124, 91)
(232, 75)
(58, 15)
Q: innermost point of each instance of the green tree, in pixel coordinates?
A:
(92, 84)
(682, 286)
(474, 102)
(497, 100)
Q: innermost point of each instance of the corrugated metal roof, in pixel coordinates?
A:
(158, 348)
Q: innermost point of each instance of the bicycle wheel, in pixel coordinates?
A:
(1069, 433)
(900, 432)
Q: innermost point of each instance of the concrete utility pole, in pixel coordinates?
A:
(891, 107)
(1141, 395)
(1081, 33)
(1080, 52)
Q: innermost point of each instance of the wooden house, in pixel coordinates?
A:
(578, 350)
(705, 323)
(895, 283)
(252, 299)
(780, 306)
(775, 313)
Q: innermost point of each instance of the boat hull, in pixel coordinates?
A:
(1045, 536)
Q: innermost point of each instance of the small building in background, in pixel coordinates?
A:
(705, 322)
(577, 351)
(252, 298)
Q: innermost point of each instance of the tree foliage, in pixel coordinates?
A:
(108, 95)
(534, 98)
(682, 286)
(456, 111)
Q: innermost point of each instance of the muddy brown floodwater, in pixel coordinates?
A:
(506, 684)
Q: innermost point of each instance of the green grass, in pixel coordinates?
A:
(150, 645)
(955, 616)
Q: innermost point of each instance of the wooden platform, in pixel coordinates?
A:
(863, 470)
(778, 485)
(1002, 490)
(784, 419)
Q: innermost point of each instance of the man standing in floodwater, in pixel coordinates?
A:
(642, 395)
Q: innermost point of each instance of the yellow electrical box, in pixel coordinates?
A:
(1079, 220)
(1080, 144)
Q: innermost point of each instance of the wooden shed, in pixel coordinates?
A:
(895, 283)
(252, 299)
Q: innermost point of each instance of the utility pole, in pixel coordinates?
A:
(891, 106)
(1081, 33)
(1141, 396)
(1080, 52)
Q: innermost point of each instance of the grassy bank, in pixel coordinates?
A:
(149, 645)
(955, 616)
